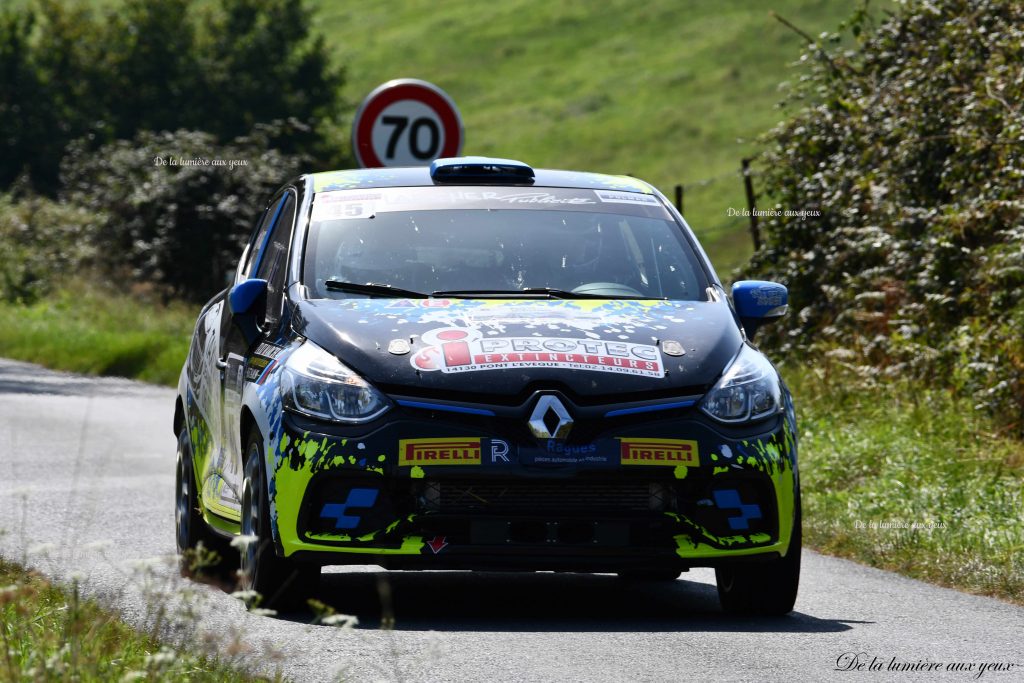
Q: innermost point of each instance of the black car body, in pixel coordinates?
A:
(485, 366)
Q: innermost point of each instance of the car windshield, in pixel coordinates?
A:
(495, 240)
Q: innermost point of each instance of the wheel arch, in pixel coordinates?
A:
(179, 415)
(246, 425)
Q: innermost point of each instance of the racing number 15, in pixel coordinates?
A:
(400, 123)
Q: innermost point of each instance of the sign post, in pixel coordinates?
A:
(406, 122)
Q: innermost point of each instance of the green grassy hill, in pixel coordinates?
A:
(670, 91)
(673, 91)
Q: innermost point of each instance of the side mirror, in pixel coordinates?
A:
(248, 304)
(759, 302)
(244, 296)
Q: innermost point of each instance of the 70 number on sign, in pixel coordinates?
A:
(400, 123)
(407, 133)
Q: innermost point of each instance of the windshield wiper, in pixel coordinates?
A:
(373, 289)
(376, 289)
(528, 292)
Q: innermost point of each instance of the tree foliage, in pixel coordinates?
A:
(911, 146)
(68, 72)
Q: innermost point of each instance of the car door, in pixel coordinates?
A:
(268, 262)
(217, 496)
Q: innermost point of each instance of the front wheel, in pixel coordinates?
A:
(767, 588)
(281, 583)
(216, 560)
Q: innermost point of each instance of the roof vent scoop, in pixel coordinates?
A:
(482, 170)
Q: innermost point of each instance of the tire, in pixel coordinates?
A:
(282, 584)
(764, 588)
(191, 530)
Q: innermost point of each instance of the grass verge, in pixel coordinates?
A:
(910, 479)
(52, 634)
(88, 330)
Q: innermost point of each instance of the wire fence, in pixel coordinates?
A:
(722, 211)
(720, 204)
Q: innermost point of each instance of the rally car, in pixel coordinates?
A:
(485, 366)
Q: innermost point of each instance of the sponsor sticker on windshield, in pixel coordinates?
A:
(626, 197)
(356, 204)
(344, 206)
(459, 349)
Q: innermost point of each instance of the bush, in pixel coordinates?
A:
(178, 227)
(42, 241)
(911, 146)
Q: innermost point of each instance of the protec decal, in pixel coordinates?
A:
(459, 349)
(450, 451)
(671, 452)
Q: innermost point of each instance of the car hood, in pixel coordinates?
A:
(483, 347)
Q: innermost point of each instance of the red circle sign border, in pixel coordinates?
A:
(404, 89)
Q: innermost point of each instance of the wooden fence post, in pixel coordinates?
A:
(679, 198)
(748, 184)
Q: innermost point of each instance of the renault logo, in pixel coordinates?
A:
(550, 419)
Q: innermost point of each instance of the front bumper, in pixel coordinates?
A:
(427, 489)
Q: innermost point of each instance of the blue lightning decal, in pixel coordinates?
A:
(357, 498)
(730, 498)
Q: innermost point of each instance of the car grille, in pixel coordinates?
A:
(543, 497)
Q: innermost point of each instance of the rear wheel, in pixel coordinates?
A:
(281, 583)
(191, 530)
(767, 588)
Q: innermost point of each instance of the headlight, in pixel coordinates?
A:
(317, 384)
(748, 390)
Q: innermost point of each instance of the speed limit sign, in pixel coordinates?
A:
(406, 122)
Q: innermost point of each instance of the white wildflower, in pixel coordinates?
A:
(41, 549)
(144, 563)
(55, 662)
(344, 621)
(262, 612)
(98, 545)
(244, 541)
(246, 595)
(162, 658)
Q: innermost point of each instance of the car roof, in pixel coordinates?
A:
(419, 176)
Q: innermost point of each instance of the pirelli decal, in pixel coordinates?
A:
(453, 451)
(673, 452)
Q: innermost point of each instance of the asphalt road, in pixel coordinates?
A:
(86, 493)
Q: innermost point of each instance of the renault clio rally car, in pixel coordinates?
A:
(483, 366)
